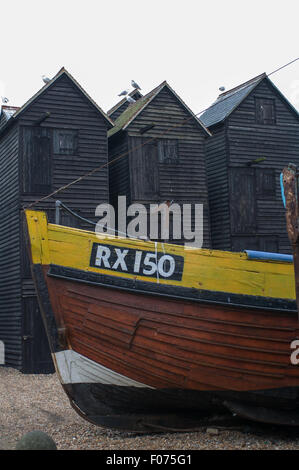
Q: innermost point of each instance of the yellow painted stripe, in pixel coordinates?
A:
(203, 269)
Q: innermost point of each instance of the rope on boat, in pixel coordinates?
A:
(60, 205)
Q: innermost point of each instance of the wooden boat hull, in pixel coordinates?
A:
(139, 355)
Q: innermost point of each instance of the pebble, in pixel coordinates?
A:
(38, 403)
(212, 431)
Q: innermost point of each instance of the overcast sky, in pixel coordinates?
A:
(197, 46)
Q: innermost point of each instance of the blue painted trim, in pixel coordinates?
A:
(282, 190)
(264, 255)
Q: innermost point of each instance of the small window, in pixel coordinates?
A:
(168, 151)
(65, 142)
(265, 111)
(265, 183)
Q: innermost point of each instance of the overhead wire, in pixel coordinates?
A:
(182, 123)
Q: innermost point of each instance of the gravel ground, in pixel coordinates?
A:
(37, 402)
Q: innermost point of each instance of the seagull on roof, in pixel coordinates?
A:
(130, 99)
(4, 99)
(123, 93)
(46, 79)
(135, 85)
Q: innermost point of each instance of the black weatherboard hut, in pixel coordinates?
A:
(255, 134)
(57, 136)
(162, 143)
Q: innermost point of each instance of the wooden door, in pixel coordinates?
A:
(37, 156)
(242, 200)
(37, 358)
(144, 169)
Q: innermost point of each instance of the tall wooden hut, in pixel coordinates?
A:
(57, 136)
(255, 134)
(156, 150)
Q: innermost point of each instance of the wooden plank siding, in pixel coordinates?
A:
(278, 143)
(119, 175)
(2, 119)
(68, 109)
(235, 142)
(10, 263)
(182, 182)
(216, 152)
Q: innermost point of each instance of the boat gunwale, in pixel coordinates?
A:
(146, 290)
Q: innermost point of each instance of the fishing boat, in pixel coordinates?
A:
(149, 336)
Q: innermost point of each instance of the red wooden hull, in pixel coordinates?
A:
(179, 344)
(192, 357)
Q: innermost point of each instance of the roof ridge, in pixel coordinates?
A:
(122, 101)
(131, 112)
(133, 109)
(125, 119)
(243, 85)
(228, 101)
(77, 84)
(153, 91)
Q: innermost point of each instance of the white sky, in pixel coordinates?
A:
(197, 46)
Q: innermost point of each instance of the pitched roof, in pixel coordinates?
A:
(125, 119)
(228, 101)
(124, 100)
(61, 72)
(7, 112)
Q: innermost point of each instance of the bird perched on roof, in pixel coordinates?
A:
(123, 93)
(130, 99)
(222, 88)
(4, 99)
(135, 85)
(46, 79)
